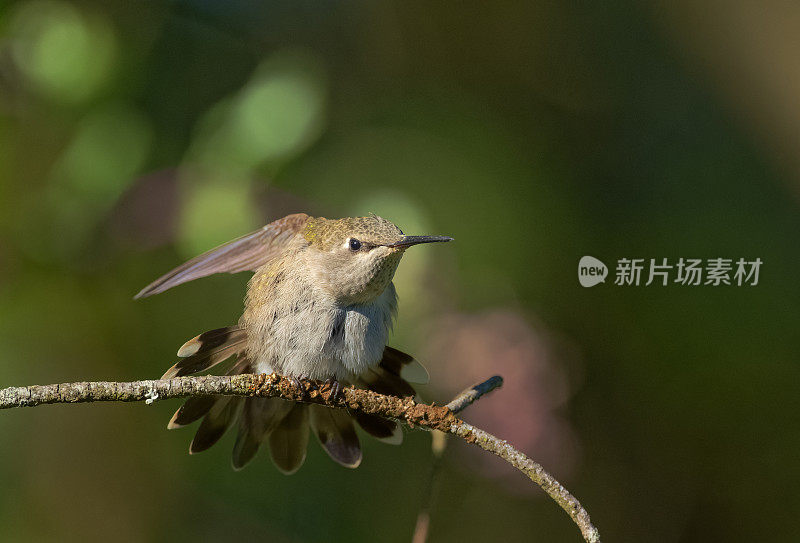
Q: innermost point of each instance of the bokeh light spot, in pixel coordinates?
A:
(64, 54)
(215, 212)
(107, 151)
(277, 114)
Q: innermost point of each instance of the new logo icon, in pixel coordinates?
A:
(591, 271)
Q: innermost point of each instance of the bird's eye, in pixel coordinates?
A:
(355, 245)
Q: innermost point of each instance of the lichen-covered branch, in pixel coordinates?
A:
(534, 471)
(414, 414)
(473, 393)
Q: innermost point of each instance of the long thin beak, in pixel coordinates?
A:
(408, 241)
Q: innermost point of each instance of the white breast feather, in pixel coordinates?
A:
(323, 341)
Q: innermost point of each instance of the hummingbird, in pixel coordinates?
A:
(320, 306)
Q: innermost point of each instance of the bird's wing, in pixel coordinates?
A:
(247, 253)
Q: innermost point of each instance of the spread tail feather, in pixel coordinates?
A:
(260, 416)
(381, 381)
(219, 418)
(335, 431)
(385, 430)
(289, 441)
(192, 409)
(284, 424)
(207, 350)
(404, 366)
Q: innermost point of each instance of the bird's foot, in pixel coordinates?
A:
(299, 386)
(336, 389)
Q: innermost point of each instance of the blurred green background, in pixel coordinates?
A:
(134, 135)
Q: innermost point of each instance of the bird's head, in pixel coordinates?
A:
(355, 258)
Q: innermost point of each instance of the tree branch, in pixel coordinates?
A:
(472, 394)
(438, 446)
(431, 417)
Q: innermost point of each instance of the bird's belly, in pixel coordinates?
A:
(329, 343)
